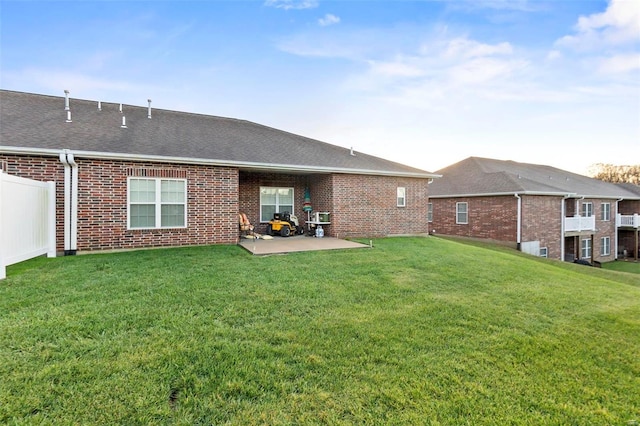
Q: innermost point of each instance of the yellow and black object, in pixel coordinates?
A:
(284, 224)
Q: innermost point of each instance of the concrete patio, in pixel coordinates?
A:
(279, 245)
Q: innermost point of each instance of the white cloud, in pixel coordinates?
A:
(619, 24)
(292, 4)
(620, 63)
(398, 68)
(328, 19)
(462, 47)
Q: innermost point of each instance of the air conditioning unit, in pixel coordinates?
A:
(321, 217)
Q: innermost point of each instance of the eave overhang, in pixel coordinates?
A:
(242, 165)
(543, 193)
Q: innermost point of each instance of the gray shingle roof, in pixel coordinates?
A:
(38, 123)
(476, 176)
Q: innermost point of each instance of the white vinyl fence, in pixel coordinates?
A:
(27, 220)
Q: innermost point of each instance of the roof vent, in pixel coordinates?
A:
(149, 112)
(124, 122)
(66, 100)
(68, 120)
(120, 108)
(353, 154)
(99, 106)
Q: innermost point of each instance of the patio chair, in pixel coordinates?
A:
(246, 228)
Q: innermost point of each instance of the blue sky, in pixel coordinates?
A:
(424, 83)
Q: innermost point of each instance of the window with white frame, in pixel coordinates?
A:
(605, 246)
(587, 209)
(430, 212)
(275, 200)
(585, 252)
(156, 203)
(401, 196)
(544, 252)
(605, 211)
(462, 213)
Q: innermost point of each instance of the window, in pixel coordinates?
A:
(605, 246)
(586, 249)
(401, 196)
(430, 212)
(587, 209)
(157, 203)
(461, 213)
(275, 200)
(543, 252)
(605, 211)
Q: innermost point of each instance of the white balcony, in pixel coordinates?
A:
(579, 223)
(628, 221)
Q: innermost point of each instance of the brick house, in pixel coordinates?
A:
(538, 209)
(131, 177)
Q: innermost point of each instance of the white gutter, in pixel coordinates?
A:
(67, 201)
(74, 202)
(498, 194)
(519, 220)
(247, 165)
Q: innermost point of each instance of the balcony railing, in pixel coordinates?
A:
(628, 220)
(579, 223)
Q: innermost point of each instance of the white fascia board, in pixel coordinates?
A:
(503, 194)
(551, 194)
(246, 165)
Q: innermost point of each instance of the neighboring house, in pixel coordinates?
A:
(540, 210)
(131, 177)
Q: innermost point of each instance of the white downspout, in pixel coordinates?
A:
(74, 203)
(519, 221)
(67, 201)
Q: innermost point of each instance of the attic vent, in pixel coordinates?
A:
(149, 112)
(66, 100)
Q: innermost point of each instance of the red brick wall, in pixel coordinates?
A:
(212, 202)
(360, 206)
(366, 206)
(627, 207)
(542, 221)
(493, 218)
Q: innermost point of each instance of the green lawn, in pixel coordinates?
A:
(624, 266)
(413, 331)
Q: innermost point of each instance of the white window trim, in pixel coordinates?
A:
(608, 210)
(293, 200)
(401, 201)
(157, 203)
(545, 251)
(458, 204)
(585, 249)
(429, 212)
(585, 209)
(606, 246)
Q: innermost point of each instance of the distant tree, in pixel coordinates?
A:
(616, 174)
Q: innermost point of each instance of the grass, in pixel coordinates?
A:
(624, 266)
(414, 331)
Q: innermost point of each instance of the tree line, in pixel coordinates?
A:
(616, 174)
